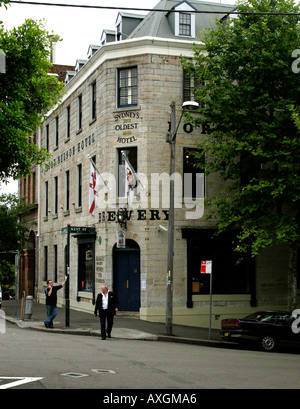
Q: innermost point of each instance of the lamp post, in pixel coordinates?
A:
(171, 138)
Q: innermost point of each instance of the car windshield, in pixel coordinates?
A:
(265, 316)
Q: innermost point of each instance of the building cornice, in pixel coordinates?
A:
(128, 48)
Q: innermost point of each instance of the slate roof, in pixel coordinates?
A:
(156, 23)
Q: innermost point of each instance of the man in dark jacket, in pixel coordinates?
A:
(51, 300)
(107, 304)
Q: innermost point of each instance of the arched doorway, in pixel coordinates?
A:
(126, 265)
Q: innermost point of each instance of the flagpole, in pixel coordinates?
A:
(132, 170)
(99, 173)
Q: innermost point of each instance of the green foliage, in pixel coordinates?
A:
(27, 92)
(14, 231)
(254, 141)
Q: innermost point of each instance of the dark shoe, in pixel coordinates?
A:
(109, 335)
(46, 325)
(103, 338)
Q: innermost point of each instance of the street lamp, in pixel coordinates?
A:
(122, 217)
(171, 138)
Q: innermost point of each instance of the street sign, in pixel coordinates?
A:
(206, 267)
(80, 229)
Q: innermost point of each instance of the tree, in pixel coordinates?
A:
(14, 228)
(254, 142)
(27, 92)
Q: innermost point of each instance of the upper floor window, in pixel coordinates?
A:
(127, 87)
(47, 137)
(185, 21)
(68, 122)
(190, 85)
(94, 100)
(79, 112)
(193, 173)
(123, 177)
(79, 185)
(56, 132)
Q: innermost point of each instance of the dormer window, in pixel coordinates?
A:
(185, 24)
(183, 20)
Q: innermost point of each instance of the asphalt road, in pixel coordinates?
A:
(77, 362)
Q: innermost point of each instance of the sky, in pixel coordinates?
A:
(77, 27)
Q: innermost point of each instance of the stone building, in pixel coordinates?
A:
(119, 101)
(28, 188)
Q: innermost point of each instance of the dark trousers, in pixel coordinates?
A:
(109, 317)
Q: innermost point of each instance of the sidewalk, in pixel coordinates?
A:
(127, 325)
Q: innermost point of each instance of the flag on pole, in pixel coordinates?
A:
(93, 190)
(130, 182)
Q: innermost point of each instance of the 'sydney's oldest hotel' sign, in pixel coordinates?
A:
(127, 122)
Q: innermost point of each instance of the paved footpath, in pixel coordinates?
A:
(127, 325)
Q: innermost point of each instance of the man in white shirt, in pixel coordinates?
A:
(107, 304)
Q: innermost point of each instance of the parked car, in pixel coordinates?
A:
(0, 296)
(266, 328)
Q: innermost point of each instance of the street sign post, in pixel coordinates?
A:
(206, 268)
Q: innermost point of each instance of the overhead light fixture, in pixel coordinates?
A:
(190, 105)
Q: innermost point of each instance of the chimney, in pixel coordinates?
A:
(53, 42)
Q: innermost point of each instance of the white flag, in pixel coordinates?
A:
(130, 182)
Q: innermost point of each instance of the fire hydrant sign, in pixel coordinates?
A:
(206, 267)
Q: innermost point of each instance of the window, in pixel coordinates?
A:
(94, 100)
(47, 137)
(131, 154)
(127, 87)
(55, 195)
(45, 263)
(55, 263)
(193, 173)
(79, 185)
(68, 122)
(185, 24)
(85, 266)
(190, 85)
(229, 276)
(46, 199)
(56, 131)
(67, 190)
(79, 112)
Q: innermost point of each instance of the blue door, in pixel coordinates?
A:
(127, 278)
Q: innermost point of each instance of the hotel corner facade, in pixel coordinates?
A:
(118, 101)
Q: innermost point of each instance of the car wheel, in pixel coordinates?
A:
(268, 343)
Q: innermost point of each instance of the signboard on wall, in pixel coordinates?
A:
(121, 244)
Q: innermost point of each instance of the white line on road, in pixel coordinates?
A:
(17, 381)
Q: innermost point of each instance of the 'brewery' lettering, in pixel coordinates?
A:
(140, 214)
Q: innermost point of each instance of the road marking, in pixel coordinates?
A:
(18, 380)
(74, 374)
(103, 371)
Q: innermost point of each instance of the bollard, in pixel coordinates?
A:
(28, 307)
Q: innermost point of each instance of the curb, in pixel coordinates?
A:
(124, 333)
